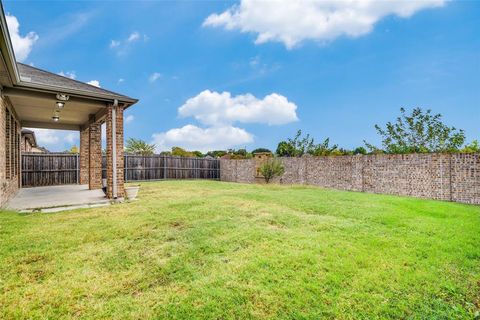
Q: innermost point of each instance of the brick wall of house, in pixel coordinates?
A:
(25, 145)
(9, 144)
(450, 177)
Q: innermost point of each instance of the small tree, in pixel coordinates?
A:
(271, 168)
(138, 146)
(73, 150)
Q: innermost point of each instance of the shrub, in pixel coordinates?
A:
(261, 150)
(360, 150)
(473, 147)
(271, 169)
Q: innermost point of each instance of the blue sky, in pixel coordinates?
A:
(253, 81)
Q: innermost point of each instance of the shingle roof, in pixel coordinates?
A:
(29, 134)
(29, 74)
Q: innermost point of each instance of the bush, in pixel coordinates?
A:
(473, 147)
(271, 169)
(261, 150)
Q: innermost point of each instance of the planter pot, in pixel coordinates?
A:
(131, 192)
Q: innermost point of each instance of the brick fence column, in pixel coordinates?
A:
(84, 155)
(119, 151)
(95, 158)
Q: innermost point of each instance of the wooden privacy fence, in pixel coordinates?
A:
(159, 167)
(62, 168)
(47, 169)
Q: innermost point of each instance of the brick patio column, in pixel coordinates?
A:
(95, 156)
(84, 155)
(119, 150)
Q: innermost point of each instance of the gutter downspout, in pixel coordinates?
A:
(114, 148)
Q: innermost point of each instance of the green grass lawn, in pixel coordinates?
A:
(201, 249)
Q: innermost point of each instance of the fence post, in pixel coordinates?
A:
(164, 167)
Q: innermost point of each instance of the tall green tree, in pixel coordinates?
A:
(138, 146)
(418, 132)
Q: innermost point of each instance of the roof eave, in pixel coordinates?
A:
(78, 93)
(8, 48)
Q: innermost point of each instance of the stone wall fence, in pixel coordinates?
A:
(450, 177)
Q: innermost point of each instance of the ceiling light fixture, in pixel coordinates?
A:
(59, 105)
(56, 116)
(62, 97)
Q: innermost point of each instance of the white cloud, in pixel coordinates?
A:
(21, 45)
(219, 111)
(128, 119)
(123, 46)
(154, 77)
(134, 36)
(56, 138)
(114, 43)
(95, 83)
(65, 26)
(293, 21)
(71, 137)
(213, 108)
(121, 80)
(47, 136)
(68, 74)
(192, 137)
(255, 61)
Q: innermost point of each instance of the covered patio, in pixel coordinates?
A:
(34, 98)
(57, 198)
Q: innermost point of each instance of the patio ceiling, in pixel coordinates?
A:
(35, 109)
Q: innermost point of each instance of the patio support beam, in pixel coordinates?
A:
(115, 161)
(50, 125)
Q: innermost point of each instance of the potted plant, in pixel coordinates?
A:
(131, 191)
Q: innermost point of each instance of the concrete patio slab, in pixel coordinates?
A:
(59, 197)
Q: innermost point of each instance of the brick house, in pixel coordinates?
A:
(35, 98)
(28, 142)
